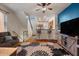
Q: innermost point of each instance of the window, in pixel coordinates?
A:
(1, 22)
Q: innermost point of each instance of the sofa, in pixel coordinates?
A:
(6, 40)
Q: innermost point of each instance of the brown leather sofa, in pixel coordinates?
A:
(6, 40)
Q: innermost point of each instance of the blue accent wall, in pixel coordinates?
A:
(69, 13)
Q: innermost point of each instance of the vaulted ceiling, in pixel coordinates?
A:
(20, 8)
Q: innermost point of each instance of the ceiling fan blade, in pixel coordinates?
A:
(39, 4)
(50, 8)
(37, 9)
(43, 4)
(43, 11)
(48, 4)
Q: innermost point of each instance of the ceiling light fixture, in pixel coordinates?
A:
(44, 7)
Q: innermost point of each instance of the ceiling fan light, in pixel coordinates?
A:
(44, 9)
(50, 8)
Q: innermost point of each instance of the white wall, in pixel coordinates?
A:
(13, 23)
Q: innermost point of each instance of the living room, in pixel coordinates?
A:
(33, 29)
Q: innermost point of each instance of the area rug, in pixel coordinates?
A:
(35, 49)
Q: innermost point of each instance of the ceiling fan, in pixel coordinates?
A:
(45, 7)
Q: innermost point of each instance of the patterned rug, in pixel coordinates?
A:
(35, 49)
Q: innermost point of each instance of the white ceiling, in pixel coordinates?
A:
(29, 8)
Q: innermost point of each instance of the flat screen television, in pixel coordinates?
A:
(70, 27)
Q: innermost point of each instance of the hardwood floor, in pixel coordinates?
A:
(7, 51)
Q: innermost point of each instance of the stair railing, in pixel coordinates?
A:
(16, 34)
(65, 49)
(70, 41)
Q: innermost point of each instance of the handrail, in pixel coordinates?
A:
(16, 34)
(65, 49)
(72, 43)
